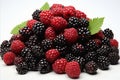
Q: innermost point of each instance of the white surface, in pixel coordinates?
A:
(13, 12)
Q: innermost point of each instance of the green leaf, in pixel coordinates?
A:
(45, 6)
(16, 29)
(95, 25)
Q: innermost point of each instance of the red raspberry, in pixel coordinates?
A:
(45, 16)
(8, 58)
(68, 11)
(58, 23)
(17, 46)
(56, 6)
(114, 42)
(30, 23)
(71, 35)
(73, 69)
(99, 35)
(59, 65)
(80, 14)
(57, 12)
(98, 42)
(52, 55)
(18, 60)
(50, 33)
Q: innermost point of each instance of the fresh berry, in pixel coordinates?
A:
(99, 35)
(113, 58)
(72, 69)
(114, 49)
(56, 6)
(50, 33)
(106, 41)
(16, 37)
(91, 56)
(9, 58)
(68, 11)
(58, 23)
(80, 14)
(108, 33)
(114, 42)
(103, 62)
(71, 35)
(31, 23)
(98, 42)
(38, 28)
(70, 57)
(25, 51)
(35, 15)
(91, 67)
(46, 16)
(44, 66)
(57, 11)
(17, 46)
(83, 22)
(18, 60)
(59, 65)
(52, 55)
(73, 22)
(46, 44)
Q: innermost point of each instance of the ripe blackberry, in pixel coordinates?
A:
(84, 34)
(44, 66)
(114, 49)
(73, 22)
(69, 57)
(103, 62)
(22, 68)
(59, 40)
(90, 56)
(108, 33)
(113, 58)
(25, 51)
(38, 29)
(35, 15)
(91, 67)
(81, 62)
(18, 60)
(106, 41)
(32, 41)
(4, 47)
(46, 44)
(83, 22)
(77, 49)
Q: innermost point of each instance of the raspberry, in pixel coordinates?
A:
(52, 55)
(58, 23)
(30, 23)
(80, 14)
(44, 66)
(91, 67)
(59, 65)
(72, 69)
(57, 12)
(35, 15)
(17, 46)
(73, 22)
(68, 12)
(69, 57)
(114, 42)
(99, 35)
(56, 6)
(83, 22)
(108, 33)
(98, 42)
(71, 35)
(46, 16)
(9, 58)
(50, 33)
(18, 60)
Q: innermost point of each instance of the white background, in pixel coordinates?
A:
(13, 12)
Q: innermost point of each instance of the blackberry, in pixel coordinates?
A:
(106, 41)
(46, 44)
(16, 37)
(114, 49)
(103, 50)
(32, 41)
(69, 57)
(81, 62)
(84, 22)
(91, 67)
(38, 29)
(91, 45)
(4, 47)
(113, 58)
(73, 22)
(84, 34)
(77, 49)
(22, 68)
(103, 62)
(90, 56)
(59, 40)
(44, 66)
(18, 60)
(25, 51)
(35, 15)
(108, 33)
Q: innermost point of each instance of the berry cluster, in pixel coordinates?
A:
(58, 39)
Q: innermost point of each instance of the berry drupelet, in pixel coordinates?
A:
(73, 22)
(91, 56)
(108, 33)
(69, 57)
(83, 22)
(35, 15)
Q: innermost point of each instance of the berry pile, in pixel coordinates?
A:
(58, 39)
